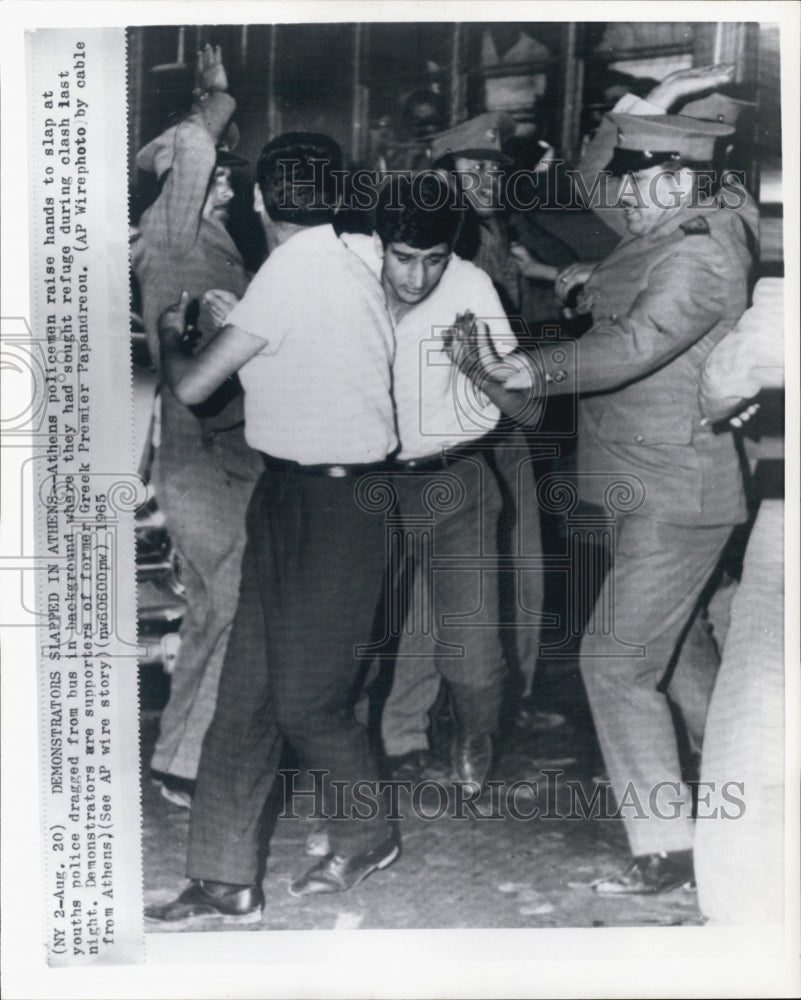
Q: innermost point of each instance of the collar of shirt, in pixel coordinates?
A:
(307, 236)
(364, 247)
(437, 407)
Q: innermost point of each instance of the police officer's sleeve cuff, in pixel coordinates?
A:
(630, 104)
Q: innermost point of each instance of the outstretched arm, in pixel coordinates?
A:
(693, 82)
(194, 378)
(174, 218)
(658, 327)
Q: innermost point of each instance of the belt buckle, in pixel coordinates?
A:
(438, 460)
(336, 471)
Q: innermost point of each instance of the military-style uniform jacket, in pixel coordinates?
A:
(178, 249)
(660, 302)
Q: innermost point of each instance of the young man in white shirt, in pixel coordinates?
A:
(312, 344)
(446, 482)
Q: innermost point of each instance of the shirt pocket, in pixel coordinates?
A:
(645, 426)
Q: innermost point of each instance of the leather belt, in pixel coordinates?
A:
(330, 471)
(442, 459)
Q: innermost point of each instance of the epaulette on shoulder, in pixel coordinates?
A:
(695, 227)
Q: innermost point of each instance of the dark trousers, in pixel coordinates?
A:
(312, 576)
(450, 523)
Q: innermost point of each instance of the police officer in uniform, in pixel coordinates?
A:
(203, 471)
(675, 285)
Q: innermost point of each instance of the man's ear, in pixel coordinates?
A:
(379, 246)
(258, 199)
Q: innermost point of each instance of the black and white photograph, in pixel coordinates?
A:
(407, 502)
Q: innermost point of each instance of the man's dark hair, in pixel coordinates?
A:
(296, 179)
(421, 211)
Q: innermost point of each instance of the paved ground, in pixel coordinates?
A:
(453, 873)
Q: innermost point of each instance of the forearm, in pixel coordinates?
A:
(684, 297)
(515, 403)
(512, 383)
(540, 272)
(182, 372)
(610, 355)
(214, 111)
(174, 219)
(193, 379)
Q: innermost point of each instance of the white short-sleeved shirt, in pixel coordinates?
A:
(437, 405)
(320, 390)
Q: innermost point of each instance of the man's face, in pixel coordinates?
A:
(409, 274)
(647, 196)
(423, 120)
(220, 194)
(481, 179)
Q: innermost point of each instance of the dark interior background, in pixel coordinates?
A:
(351, 80)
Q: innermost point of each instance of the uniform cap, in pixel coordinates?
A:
(481, 137)
(648, 140)
(225, 158)
(717, 107)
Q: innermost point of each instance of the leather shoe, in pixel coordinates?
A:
(338, 872)
(471, 758)
(178, 791)
(203, 899)
(650, 875)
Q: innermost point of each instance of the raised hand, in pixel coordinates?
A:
(461, 342)
(470, 347)
(690, 82)
(210, 73)
(456, 340)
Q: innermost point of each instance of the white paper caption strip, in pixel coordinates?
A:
(85, 492)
